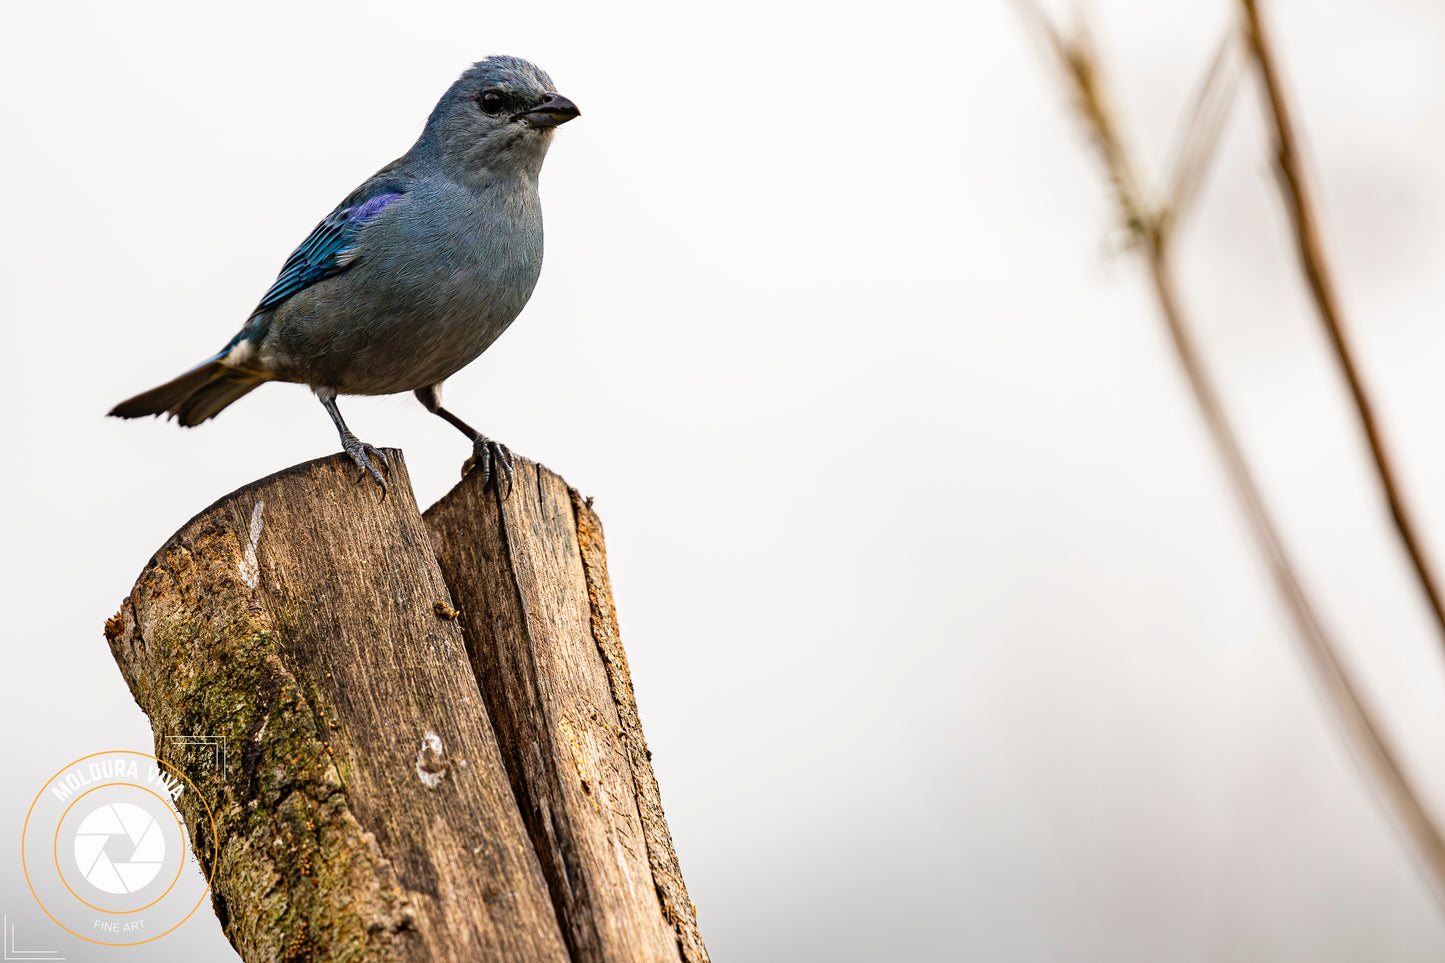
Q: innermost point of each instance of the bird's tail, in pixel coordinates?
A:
(198, 394)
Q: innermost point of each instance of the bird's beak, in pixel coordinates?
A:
(555, 110)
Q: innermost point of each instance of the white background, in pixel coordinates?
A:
(948, 640)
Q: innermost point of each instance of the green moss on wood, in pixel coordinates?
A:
(295, 876)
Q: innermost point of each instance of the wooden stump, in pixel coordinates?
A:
(367, 808)
(531, 580)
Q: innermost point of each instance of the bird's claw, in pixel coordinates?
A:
(486, 454)
(361, 453)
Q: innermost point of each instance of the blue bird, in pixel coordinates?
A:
(412, 276)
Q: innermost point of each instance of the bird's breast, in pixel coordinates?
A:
(431, 289)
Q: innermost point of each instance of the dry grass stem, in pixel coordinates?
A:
(1295, 190)
(1077, 57)
(1206, 124)
(1151, 227)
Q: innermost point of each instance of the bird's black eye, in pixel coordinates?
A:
(492, 101)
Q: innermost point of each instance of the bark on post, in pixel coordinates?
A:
(366, 810)
(530, 576)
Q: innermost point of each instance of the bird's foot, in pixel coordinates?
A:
(362, 453)
(493, 458)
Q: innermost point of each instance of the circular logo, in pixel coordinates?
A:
(106, 850)
(124, 830)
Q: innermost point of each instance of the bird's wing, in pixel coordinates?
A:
(331, 246)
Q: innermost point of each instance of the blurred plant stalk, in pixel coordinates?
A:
(1151, 226)
(1295, 190)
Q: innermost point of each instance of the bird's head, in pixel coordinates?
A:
(500, 116)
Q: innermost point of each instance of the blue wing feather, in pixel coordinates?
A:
(330, 248)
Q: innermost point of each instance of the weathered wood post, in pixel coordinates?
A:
(432, 748)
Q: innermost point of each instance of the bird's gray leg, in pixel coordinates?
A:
(355, 447)
(485, 452)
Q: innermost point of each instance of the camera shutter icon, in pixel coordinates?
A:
(119, 848)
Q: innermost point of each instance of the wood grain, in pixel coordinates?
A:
(363, 812)
(371, 800)
(661, 855)
(537, 612)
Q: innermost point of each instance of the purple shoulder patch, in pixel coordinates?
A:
(367, 210)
